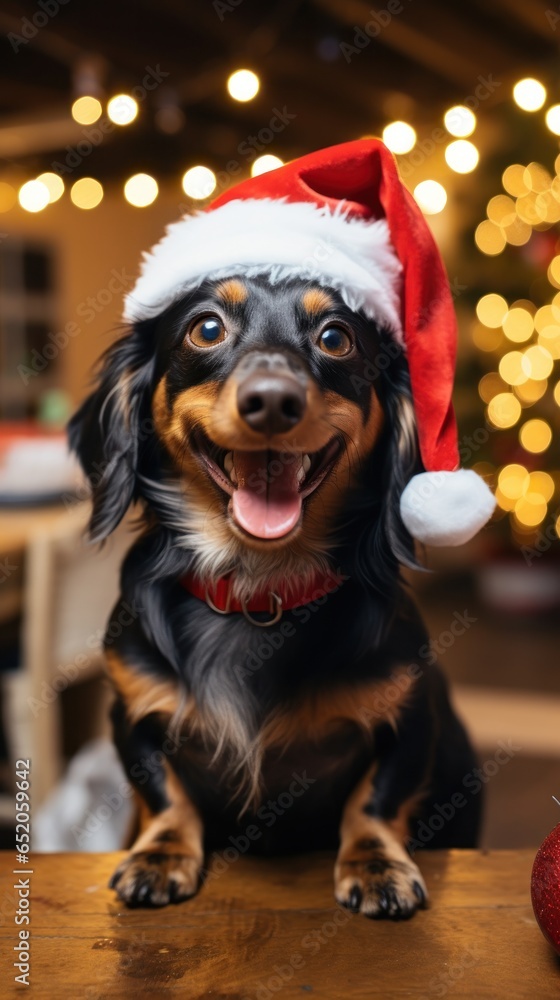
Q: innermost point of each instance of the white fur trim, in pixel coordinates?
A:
(279, 239)
(446, 508)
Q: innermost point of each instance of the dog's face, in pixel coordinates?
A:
(263, 406)
(270, 408)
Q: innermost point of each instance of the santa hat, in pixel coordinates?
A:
(342, 218)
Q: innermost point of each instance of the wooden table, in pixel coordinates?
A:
(269, 929)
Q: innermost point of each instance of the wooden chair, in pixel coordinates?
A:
(70, 588)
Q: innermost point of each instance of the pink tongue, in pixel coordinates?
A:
(267, 502)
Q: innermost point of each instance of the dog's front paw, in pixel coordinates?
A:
(378, 886)
(149, 878)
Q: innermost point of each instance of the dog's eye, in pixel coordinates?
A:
(207, 332)
(335, 341)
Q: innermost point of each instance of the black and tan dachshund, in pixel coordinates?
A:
(272, 690)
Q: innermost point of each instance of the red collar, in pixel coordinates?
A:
(219, 596)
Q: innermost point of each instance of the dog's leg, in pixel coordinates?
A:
(165, 862)
(374, 873)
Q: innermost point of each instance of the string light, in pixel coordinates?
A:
(86, 110)
(399, 137)
(199, 182)
(529, 94)
(122, 109)
(54, 185)
(461, 156)
(459, 121)
(86, 193)
(263, 164)
(33, 196)
(141, 190)
(430, 196)
(243, 85)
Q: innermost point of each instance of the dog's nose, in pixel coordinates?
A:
(271, 403)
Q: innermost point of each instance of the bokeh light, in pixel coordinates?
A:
(141, 190)
(86, 193)
(461, 156)
(33, 196)
(511, 368)
(459, 121)
(54, 185)
(552, 119)
(243, 85)
(489, 238)
(431, 196)
(529, 94)
(122, 109)
(535, 435)
(513, 180)
(199, 182)
(399, 137)
(8, 196)
(518, 325)
(263, 164)
(86, 110)
(537, 362)
(491, 309)
(504, 410)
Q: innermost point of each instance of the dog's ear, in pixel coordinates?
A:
(386, 542)
(107, 431)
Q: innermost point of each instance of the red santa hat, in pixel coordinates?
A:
(342, 217)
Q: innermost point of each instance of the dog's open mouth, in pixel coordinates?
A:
(267, 488)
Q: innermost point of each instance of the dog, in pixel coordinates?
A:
(272, 686)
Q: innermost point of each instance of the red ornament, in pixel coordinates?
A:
(545, 888)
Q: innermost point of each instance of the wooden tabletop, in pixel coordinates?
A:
(270, 928)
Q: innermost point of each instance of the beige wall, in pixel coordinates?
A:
(90, 246)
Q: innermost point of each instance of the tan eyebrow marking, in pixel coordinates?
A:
(232, 292)
(317, 300)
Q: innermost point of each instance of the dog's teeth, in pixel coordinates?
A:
(233, 476)
(306, 463)
(228, 463)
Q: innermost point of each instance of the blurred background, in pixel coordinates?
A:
(117, 118)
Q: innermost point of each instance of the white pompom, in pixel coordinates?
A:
(446, 508)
